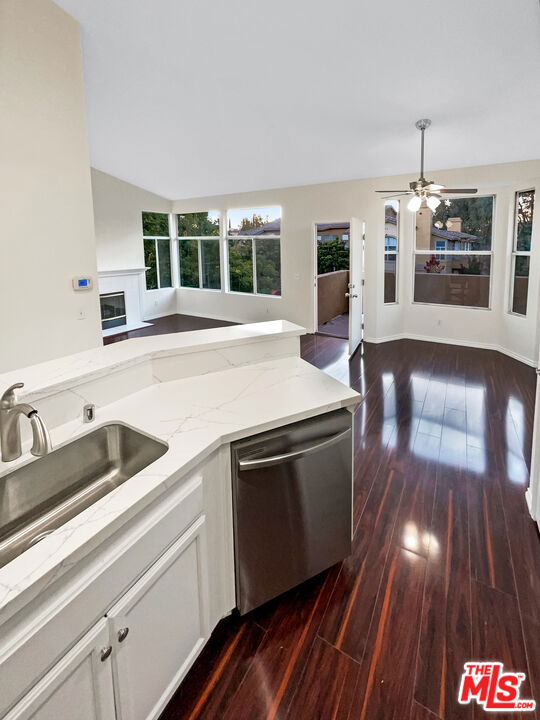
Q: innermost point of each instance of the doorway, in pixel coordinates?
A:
(333, 269)
(338, 264)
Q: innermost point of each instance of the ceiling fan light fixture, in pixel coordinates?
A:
(433, 202)
(414, 203)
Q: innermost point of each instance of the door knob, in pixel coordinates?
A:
(122, 634)
(105, 652)
(351, 296)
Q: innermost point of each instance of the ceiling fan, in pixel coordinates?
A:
(422, 189)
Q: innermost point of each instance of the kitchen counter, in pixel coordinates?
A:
(64, 373)
(194, 416)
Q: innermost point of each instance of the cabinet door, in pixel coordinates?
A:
(78, 687)
(159, 627)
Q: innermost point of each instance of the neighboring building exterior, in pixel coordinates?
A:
(429, 237)
(330, 232)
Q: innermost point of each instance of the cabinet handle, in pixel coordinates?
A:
(105, 652)
(122, 634)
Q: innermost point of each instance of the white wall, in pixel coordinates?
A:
(46, 200)
(302, 206)
(118, 208)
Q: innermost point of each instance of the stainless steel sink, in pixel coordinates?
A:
(39, 497)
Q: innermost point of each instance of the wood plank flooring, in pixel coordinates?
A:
(169, 324)
(445, 565)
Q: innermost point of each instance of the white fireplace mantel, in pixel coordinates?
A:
(126, 271)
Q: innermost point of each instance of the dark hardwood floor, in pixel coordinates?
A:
(169, 324)
(445, 565)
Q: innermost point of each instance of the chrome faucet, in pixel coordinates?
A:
(10, 435)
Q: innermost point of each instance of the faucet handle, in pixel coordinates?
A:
(8, 398)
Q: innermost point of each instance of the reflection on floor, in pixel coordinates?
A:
(169, 324)
(336, 327)
(445, 565)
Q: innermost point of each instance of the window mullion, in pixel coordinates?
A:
(254, 264)
(199, 260)
(156, 246)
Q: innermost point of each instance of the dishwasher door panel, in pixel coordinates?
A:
(292, 515)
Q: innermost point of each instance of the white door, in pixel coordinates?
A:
(158, 628)
(79, 686)
(355, 284)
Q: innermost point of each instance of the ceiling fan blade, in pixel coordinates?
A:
(458, 191)
(394, 191)
(391, 197)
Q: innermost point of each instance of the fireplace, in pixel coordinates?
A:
(113, 310)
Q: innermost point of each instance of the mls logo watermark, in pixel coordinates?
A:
(494, 689)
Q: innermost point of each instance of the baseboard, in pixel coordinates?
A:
(159, 315)
(528, 498)
(452, 341)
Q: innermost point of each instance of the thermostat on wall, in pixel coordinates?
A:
(82, 283)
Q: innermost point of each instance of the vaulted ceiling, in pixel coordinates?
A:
(200, 97)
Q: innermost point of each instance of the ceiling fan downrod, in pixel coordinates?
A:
(422, 125)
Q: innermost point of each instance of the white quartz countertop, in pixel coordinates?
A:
(62, 373)
(194, 416)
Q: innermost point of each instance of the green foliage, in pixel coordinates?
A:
(522, 266)
(473, 267)
(476, 214)
(332, 256)
(164, 259)
(155, 224)
(240, 265)
(268, 266)
(189, 263)
(211, 275)
(150, 262)
(525, 210)
(197, 225)
(251, 223)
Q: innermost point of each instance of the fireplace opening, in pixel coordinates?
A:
(113, 310)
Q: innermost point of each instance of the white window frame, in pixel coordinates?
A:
(518, 253)
(392, 252)
(217, 238)
(456, 252)
(155, 238)
(253, 239)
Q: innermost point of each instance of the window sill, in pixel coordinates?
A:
(199, 289)
(252, 294)
(456, 307)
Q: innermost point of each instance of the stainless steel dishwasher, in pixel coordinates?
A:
(292, 501)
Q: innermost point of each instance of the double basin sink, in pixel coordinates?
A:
(39, 497)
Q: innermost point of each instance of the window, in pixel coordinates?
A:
(460, 276)
(198, 250)
(391, 249)
(521, 250)
(157, 250)
(254, 250)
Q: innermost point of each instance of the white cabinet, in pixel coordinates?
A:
(131, 662)
(159, 627)
(79, 686)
